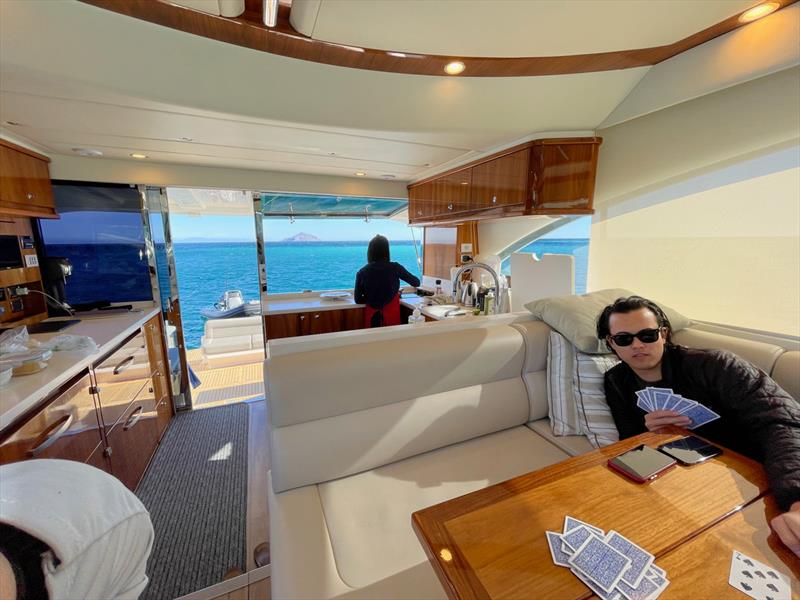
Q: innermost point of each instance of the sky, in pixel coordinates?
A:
(235, 228)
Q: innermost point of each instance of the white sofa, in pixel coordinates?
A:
(362, 435)
(231, 341)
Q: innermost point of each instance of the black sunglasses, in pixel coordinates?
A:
(648, 336)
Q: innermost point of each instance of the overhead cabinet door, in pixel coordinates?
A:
(501, 182)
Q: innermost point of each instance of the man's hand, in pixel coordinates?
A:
(658, 419)
(787, 526)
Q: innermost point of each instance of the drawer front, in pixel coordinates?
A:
(67, 428)
(129, 361)
(133, 439)
(115, 398)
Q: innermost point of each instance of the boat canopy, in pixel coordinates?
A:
(318, 206)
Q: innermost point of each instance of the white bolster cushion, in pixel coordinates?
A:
(341, 445)
(314, 385)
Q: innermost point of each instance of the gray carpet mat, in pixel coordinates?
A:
(196, 492)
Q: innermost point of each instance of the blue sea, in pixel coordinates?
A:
(118, 272)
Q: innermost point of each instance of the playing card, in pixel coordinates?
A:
(614, 594)
(659, 580)
(654, 568)
(684, 404)
(646, 590)
(571, 523)
(643, 401)
(758, 580)
(661, 399)
(575, 538)
(600, 562)
(700, 415)
(640, 559)
(560, 557)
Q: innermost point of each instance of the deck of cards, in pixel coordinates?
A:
(758, 580)
(654, 398)
(611, 565)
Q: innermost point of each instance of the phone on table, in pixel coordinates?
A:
(690, 450)
(642, 463)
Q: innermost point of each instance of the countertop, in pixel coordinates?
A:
(24, 392)
(435, 311)
(307, 302)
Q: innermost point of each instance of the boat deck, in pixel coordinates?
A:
(225, 385)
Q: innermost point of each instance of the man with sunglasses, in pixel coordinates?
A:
(757, 417)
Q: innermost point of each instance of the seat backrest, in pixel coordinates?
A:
(343, 410)
(761, 354)
(534, 372)
(786, 372)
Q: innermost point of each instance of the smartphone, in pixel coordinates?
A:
(642, 463)
(690, 450)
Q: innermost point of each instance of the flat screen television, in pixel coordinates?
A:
(10, 254)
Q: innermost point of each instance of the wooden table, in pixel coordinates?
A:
(491, 543)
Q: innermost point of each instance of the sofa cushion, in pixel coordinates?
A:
(534, 371)
(597, 423)
(786, 373)
(761, 354)
(222, 345)
(342, 445)
(575, 317)
(571, 444)
(563, 411)
(385, 372)
(369, 515)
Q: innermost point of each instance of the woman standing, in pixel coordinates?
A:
(378, 285)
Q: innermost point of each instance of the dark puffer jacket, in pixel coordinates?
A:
(757, 417)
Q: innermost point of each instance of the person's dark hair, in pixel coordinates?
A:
(626, 305)
(378, 249)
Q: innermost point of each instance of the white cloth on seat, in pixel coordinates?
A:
(99, 533)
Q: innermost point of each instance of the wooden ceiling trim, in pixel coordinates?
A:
(249, 31)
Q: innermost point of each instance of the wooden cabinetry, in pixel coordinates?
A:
(314, 322)
(111, 416)
(25, 187)
(553, 176)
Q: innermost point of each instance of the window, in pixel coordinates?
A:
(101, 233)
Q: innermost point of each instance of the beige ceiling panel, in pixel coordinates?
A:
(510, 27)
(144, 60)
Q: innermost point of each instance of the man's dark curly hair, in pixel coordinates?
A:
(626, 305)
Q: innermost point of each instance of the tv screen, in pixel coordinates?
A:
(10, 254)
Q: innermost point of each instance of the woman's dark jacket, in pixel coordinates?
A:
(757, 417)
(378, 282)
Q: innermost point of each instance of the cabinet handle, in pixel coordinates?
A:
(494, 199)
(94, 389)
(124, 364)
(134, 418)
(302, 317)
(449, 207)
(30, 195)
(316, 316)
(52, 434)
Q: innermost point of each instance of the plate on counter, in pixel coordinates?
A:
(334, 296)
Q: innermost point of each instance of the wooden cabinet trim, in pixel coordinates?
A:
(24, 150)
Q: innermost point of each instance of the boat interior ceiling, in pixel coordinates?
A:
(105, 81)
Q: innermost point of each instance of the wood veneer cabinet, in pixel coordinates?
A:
(551, 176)
(314, 322)
(25, 188)
(111, 416)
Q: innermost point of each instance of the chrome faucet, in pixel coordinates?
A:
(499, 298)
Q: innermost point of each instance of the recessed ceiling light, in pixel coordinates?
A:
(138, 155)
(762, 10)
(397, 54)
(360, 174)
(455, 67)
(87, 152)
(388, 176)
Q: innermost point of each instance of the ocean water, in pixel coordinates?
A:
(205, 271)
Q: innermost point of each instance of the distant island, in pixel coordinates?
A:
(303, 237)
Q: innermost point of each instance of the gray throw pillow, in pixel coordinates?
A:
(575, 317)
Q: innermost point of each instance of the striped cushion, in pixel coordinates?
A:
(563, 412)
(596, 421)
(575, 396)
